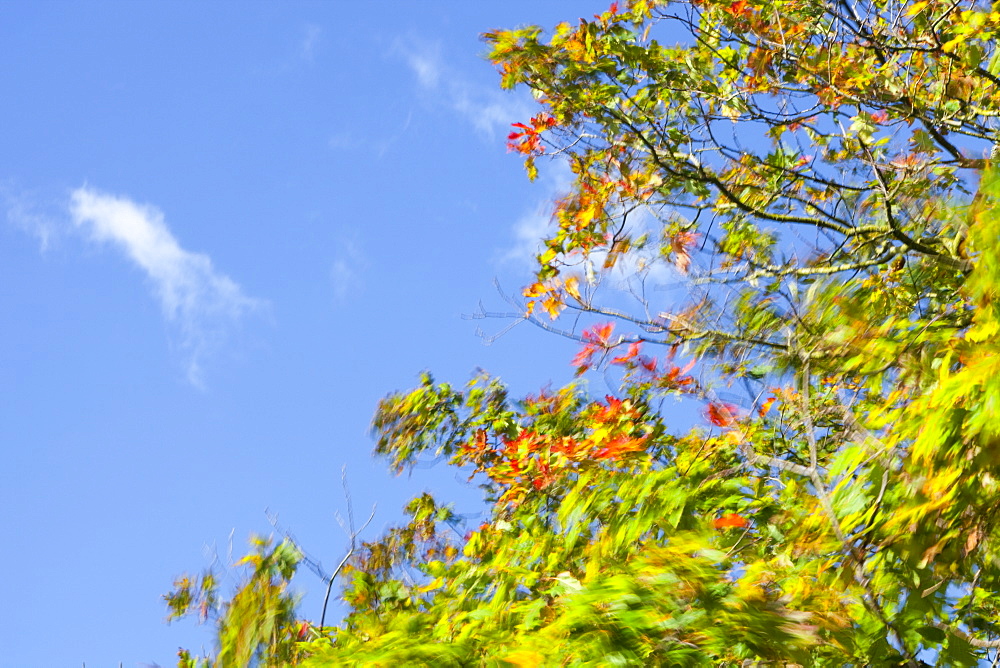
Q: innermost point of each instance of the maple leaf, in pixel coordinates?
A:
(721, 414)
(528, 441)
(630, 354)
(611, 411)
(552, 305)
(572, 288)
(766, 406)
(620, 446)
(541, 122)
(534, 290)
(599, 334)
(676, 377)
(584, 359)
(568, 446)
(477, 446)
(545, 478)
(740, 9)
(528, 139)
(730, 521)
(680, 245)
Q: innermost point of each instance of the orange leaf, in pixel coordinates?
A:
(680, 245)
(584, 358)
(721, 414)
(730, 521)
(552, 305)
(599, 333)
(766, 406)
(739, 9)
(534, 290)
(633, 351)
(573, 289)
(620, 446)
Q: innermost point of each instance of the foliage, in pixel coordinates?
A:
(257, 625)
(811, 175)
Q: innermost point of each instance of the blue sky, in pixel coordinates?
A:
(226, 230)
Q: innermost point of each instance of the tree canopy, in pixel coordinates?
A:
(813, 181)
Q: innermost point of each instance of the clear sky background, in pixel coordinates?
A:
(226, 230)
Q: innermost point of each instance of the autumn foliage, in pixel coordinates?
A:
(780, 246)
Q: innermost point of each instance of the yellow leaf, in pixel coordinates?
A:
(530, 168)
(534, 290)
(552, 306)
(983, 331)
(572, 287)
(434, 584)
(950, 45)
(524, 659)
(586, 215)
(915, 8)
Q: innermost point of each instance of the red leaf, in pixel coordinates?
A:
(541, 122)
(530, 141)
(730, 521)
(599, 333)
(739, 9)
(766, 406)
(620, 446)
(721, 414)
(610, 412)
(584, 358)
(633, 351)
(680, 245)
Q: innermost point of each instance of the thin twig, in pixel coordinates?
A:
(353, 535)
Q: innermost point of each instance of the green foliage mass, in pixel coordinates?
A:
(814, 176)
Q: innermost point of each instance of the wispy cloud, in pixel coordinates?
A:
(345, 272)
(425, 61)
(489, 109)
(24, 212)
(532, 228)
(633, 271)
(347, 140)
(202, 303)
(311, 36)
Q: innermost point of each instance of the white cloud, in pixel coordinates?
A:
(311, 37)
(24, 212)
(535, 225)
(489, 109)
(425, 62)
(203, 304)
(345, 272)
(633, 270)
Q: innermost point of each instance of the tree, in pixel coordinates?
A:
(814, 175)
